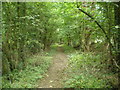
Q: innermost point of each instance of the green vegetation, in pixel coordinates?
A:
(37, 65)
(87, 70)
(87, 32)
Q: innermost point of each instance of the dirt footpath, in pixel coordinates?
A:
(55, 74)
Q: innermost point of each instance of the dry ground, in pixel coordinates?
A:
(55, 74)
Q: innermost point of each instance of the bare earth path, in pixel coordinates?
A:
(55, 75)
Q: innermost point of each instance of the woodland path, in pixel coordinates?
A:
(55, 74)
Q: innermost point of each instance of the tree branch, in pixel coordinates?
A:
(101, 29)
(97, 24)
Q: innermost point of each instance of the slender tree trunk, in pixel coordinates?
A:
(21, 30)
(117, 23)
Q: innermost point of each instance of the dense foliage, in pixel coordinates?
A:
(26, 78)
(91, 28)
(89, 71)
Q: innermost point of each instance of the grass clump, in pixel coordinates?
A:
(86, 70)
(27, 78)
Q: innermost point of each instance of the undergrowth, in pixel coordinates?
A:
(27, 78)
(67, 49)
(87, 70)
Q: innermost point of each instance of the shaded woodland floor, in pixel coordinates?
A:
(66, 73)
(55, 75)
(58, 68)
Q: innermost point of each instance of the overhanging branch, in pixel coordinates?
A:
(96, 23)
(102, 31)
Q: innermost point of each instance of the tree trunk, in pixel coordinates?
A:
(117, 23)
